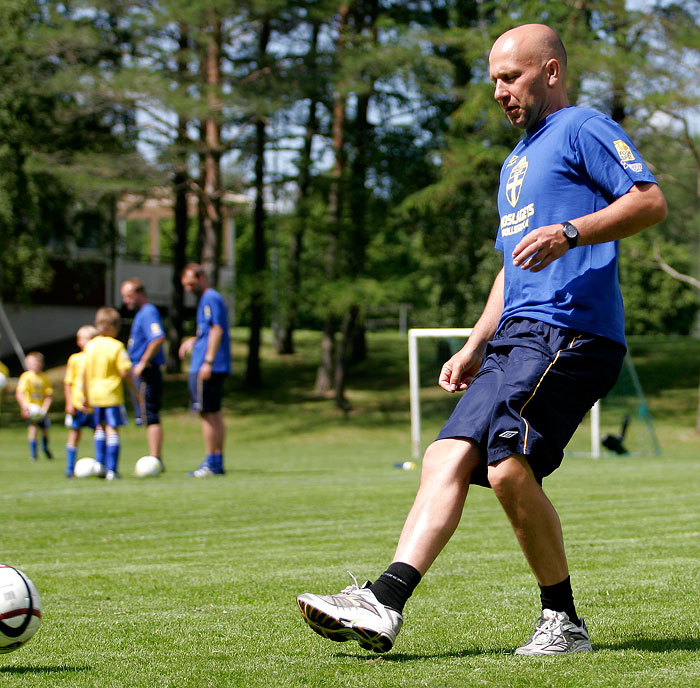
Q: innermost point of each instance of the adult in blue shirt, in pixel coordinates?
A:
(549, 343)
(210, 363)
(145, 349)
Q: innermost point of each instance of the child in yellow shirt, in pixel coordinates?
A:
(77, 417)
(34, 395)
(4, 378)
(107, 365)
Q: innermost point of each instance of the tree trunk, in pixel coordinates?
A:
(343, 355)
(359, 195)
(325, 373)
(358, 213)
(285, 337)
(180, 186)
(211, 183)
(253, 379)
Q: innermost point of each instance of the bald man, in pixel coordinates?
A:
(549, 343)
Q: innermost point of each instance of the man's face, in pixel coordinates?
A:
(520, 84)
(131, 298)
(190, 282)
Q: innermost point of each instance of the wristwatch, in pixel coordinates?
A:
(571, 234)
(209, 362)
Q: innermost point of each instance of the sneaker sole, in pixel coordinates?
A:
(551, 653)
(329, 627)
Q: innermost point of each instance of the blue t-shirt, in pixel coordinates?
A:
(146, 327)
(211, 311)
(574, 162)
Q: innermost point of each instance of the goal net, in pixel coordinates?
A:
(620, 424)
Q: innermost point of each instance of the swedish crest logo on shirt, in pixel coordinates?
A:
(623, 150)
(512, 161)
(207, 312)
(515, 181)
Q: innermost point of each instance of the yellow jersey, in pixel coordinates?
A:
(105, 359)
(74, 378)
(4, 370)
(33, 387)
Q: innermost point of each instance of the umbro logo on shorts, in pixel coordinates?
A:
(508, 434)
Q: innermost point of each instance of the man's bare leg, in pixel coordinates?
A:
(533, 517)
(154, 435)
(213, 432)
(373, 616)
(437, 509)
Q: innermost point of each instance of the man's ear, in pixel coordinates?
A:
(553, 71)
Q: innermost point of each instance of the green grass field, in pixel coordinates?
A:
(180, 582)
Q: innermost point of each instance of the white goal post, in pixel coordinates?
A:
(414, 334)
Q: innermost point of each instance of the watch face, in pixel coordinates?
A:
(571, 234)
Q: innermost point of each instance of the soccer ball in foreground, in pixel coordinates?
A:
(84, 468)
(20, 609)
(35, 412)
(148, 467)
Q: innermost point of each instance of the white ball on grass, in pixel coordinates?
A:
(20, 609)
(148, 467)
(85, 467)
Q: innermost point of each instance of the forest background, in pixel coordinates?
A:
(364, 134)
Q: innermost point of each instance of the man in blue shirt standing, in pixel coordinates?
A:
(210, 363)
(145, 349)
(549, 343)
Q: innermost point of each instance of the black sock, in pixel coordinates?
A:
(560, 598)
(396, 585)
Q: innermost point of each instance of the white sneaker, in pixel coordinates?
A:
(353, 614)
(205, 471)
(555, 635)
(112, 475)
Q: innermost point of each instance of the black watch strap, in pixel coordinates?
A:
(571, 234)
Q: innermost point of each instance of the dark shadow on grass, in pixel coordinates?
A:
(653, 645)
(414, 656)
(43, 669)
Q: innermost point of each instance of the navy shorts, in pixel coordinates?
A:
(43, 423)
(207, 394)
(535, 385)
(151, 387)
(111, 416)
(80, 420)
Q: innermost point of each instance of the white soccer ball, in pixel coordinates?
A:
(98, 469)
(85, 467)
(20, 609)
(148, 467)
(3, 381)
(35, 412)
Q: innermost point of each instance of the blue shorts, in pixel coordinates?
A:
(43, 424)
(151, 386)
(207, 394)
(535, 385)
(80, 420)
(111, 416)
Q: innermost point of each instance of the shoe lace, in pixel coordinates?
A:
(354, 587)
(544, 629)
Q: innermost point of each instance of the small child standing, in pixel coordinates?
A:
(77, 417)
(107, 364)
(4, 377)
(34, 389)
